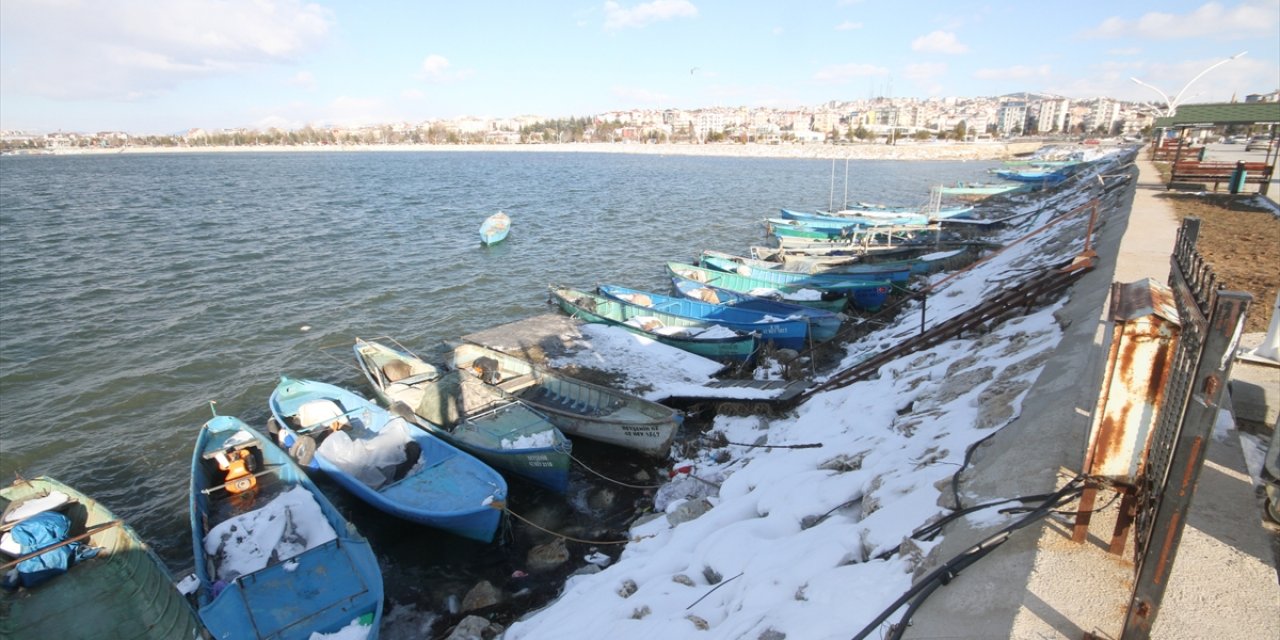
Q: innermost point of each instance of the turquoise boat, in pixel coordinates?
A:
(893, 272)
(459, 407)
(494, 229)
(576, 407)
(801, 295)
(386, 460)
(823, 325)
(783, 331)
(699, 337)
(122, 591)
(981, 190)
(274, 558)
(868, 295)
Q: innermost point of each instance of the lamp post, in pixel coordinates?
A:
(1173, 102)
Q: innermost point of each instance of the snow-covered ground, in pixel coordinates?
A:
(814, 542)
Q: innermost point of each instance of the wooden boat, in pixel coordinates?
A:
(890, 211)
(864, 240)
(893, 272)
(576, 407)
(922, 264)
(122, 591)
(798, 294)
(274, 558)
(455, 405)
(877, 215)
(865, 294)
(695, 336)
(385, 460)
(980, 190)
(783, 331)
(823, 325)
(494, 229)
(1046, 177)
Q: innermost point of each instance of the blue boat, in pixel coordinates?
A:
(1047, 176)
(867, 215)
(798, 294)
(823, 325)
(385, 460)
(494, 229)
(868, 295)
(274, 558)
(893, 272)
(695, 336)
(783, 331)
(459, 407)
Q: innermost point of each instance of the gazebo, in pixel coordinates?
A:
(1188, 163)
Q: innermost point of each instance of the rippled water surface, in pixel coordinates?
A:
(135, 289)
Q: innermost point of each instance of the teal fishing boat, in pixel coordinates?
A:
(62, 588)
(699, 337)
(274, 558)
(482, 419)
(494, 229)
(866, 294)
(733, 281)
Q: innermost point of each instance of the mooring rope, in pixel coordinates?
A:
(555, 533)
(617, 482)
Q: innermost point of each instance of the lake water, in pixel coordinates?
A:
(134, 289)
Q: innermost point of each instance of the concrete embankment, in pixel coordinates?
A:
(1040, 584)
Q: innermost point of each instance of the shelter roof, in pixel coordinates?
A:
(1222, 113)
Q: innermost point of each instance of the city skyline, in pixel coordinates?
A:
(160, 68)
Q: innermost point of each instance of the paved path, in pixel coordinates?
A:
(1040, 584)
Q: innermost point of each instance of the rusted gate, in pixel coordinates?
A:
(1211, 321)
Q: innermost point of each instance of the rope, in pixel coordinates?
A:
(604, 477)
(814, 445)
(556, 533)
(713, 590)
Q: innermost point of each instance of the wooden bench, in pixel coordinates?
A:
(1219, 172)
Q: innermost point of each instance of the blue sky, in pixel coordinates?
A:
(162, 66)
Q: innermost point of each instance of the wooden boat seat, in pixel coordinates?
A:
(518, 383)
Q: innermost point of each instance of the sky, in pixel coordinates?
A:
(150, 67)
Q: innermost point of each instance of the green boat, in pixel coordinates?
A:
(801, 295)
(706, 339)
(980, 190)
(480, 419)
(124, 591)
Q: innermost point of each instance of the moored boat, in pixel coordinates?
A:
(785, 332)
(981, 190)
(273, 557)
(576, 407)
(708, 340)
(891, 271)
(733, 281)
(456, 405)
(63, 589)
(823, 325)
(494, 229)
(866, 294)
(385, 460)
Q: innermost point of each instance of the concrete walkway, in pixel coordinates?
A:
(1039, 584)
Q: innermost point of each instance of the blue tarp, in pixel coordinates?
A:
(40, 531)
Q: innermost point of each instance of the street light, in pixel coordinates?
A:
(1173, 102)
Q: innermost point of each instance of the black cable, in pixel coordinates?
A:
(945, 573)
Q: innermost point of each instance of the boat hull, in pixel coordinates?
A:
(576, 407)
(322, 589)
(590, 307)
(823, 325)
(508, 435)
(783, 332)
(868, 295)
(450, 492)
(495, 228)
(733, 281)
(125, 588)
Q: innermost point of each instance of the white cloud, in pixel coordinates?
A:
(840, 73)
(1252, 18)
(304, 79)
(1016, 72)
(848, 25)
(939, 42)
(1124, 51)
(127, 49)
(436, 68)
(618, 17)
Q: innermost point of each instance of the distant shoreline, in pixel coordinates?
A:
(903, 151)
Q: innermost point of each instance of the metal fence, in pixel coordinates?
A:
(1211, 322)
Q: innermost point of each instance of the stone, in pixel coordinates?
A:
(628, 588)
(687, 511)
(484, 594)
(548, 556)
(475, 628)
